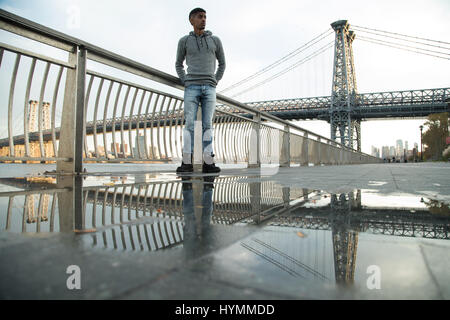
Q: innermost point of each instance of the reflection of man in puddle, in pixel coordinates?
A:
(197, 211)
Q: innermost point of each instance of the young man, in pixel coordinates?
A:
(200, 49)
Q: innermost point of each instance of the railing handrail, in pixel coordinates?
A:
(109, 58)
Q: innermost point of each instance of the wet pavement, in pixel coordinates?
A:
(329, 232)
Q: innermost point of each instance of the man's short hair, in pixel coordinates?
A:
(195, 11)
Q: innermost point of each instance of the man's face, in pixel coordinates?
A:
(198, 20)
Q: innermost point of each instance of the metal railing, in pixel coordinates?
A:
(110, 118)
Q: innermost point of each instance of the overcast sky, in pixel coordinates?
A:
(257, 33)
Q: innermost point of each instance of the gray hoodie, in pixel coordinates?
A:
(200, 53)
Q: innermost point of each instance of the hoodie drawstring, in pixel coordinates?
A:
(205, 36)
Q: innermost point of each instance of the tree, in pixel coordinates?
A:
(434, 137)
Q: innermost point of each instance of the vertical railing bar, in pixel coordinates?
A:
(138, 230)
(247, 139)
(177, 200)
(137, 201)
(232, 139)
(138, 124)
(113, 125)
(219, 138)
(172, 117)
(144, 209)
(122, 120)
(39, 215)
(94, 209)
(26, 111)
(121, 204)
(114, 238)
(151, 127)
(223, 129)
(88, 94)
(105, 242)
(181, 133)
(105, 197)
(10, 105)
(178, 126)
(25, 210)
(113, 206)
(147, 238)
(145, 125)
(228, 151)
(235, 138)
(41, 107)
(85, 200)
(1, 56)
(165, 128)
(130, 122)
(159, 127)
(153, 230)
(52, 214)
(105, 115)
(55, 97)
(240, 133)
(8, 217)
(94, 121)
(130, 234)
(130, 202)
(122, 236)
(151, 201)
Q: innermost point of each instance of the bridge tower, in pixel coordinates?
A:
(344, 128)
(345, 237)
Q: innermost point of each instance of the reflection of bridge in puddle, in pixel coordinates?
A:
(153, 216)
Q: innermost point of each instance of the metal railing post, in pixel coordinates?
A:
(67, 131)
(305, 150)
(254, 158)
(71, 137)
(80, 116)
(285, 157)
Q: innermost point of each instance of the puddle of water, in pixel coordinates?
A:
(302, 236)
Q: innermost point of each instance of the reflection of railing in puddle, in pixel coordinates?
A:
(154, 216)
(38, 212)
(107, 205)
(140, 237)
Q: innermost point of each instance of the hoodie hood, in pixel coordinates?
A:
(199, 39)
(205, 34)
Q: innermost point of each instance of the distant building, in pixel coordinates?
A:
(399, 148)
(385, 152)
(392, 151)
(375, 152)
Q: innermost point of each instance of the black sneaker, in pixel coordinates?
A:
(210, 168)
(185, 168)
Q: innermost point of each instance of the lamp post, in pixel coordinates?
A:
(421, 152)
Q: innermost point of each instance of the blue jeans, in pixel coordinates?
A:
(193, 96)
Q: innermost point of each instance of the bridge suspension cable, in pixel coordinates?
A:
(406, 43)
(289, 68)
(290, 55)
(403, 35)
